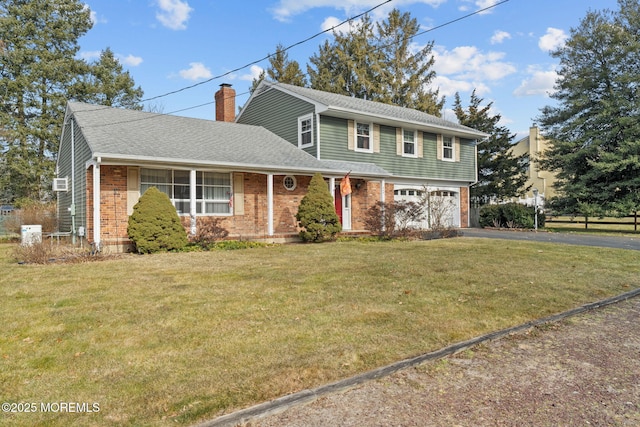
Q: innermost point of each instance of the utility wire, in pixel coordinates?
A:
(268, 56)
(450, 22)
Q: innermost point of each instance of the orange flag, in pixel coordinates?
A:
(345, 185)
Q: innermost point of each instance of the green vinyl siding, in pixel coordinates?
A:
(279, 113)
(82, 154)
(333, 146)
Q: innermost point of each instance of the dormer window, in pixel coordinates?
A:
(305, 131)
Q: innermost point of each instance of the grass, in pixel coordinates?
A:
(174, 339)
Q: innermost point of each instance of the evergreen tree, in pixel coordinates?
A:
(154, 225)
(594, 131)
(38, 68)
(39, 72)
(378, 64)
(106, 83)
(501, 175)
(317, 214)
(351, 65)
(281, 70)
(406, 75)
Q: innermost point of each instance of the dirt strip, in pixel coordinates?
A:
(584, 370)
(581, 367)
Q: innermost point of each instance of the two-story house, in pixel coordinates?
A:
(253, 171)
(420, 152)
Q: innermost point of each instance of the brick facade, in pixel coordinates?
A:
(464, 207)
(250, 222)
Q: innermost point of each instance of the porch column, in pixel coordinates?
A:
(270, 204)
(192, 202)
(382, 192)
(96, 204)
(332, 188)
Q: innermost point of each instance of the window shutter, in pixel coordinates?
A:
(420, 144)
(439, 147)
(133, 188)
(376, 138)
(399, 141)
(238, 194)
(350, 134)
(456, 148)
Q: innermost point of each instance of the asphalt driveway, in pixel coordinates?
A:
(617, 242)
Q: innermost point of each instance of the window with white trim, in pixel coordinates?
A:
(409, 143)
(305, 131)
(289, 182)
(213, 189)
(364, 137)
(447, 148)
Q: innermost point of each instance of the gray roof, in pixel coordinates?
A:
(120, 134)
(350, 105)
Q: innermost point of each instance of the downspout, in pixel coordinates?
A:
(318, 135)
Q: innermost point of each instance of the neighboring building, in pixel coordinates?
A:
(254, 173)
(534, 145)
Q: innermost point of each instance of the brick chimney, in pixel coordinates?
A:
(225, 103)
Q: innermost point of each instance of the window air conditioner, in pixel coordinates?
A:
(60, 184)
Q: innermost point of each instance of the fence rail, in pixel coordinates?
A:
(563, 219)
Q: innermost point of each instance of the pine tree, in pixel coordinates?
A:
(501, 175)
(406, 74)
(593, 130)
(39, 72)
(106, 83)
(317, 214)
(351, 65)
(282, 70)
(378, 64)
(38, 67)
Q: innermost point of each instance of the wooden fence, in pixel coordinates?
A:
(590, 221)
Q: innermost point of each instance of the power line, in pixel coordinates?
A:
(452, 21)
(266, 57)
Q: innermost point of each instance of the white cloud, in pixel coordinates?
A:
(468, 63)
(499, 36)
(287, 9)
(329, 23)
(196, 71)
(93, 16)
(130, 60)
(539, 83)
(254, 73)
(478, 5)
(173, 14)
(552, 40)
(90, 55)
(448, 87)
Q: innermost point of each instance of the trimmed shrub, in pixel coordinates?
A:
(317, 214)
(154, 225)
(510, 215)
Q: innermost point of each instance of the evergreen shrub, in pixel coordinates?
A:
(317, 214)
(154, 225)
(510, 215)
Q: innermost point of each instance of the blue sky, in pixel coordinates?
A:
(169, 45)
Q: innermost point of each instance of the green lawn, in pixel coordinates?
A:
(173, 339)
